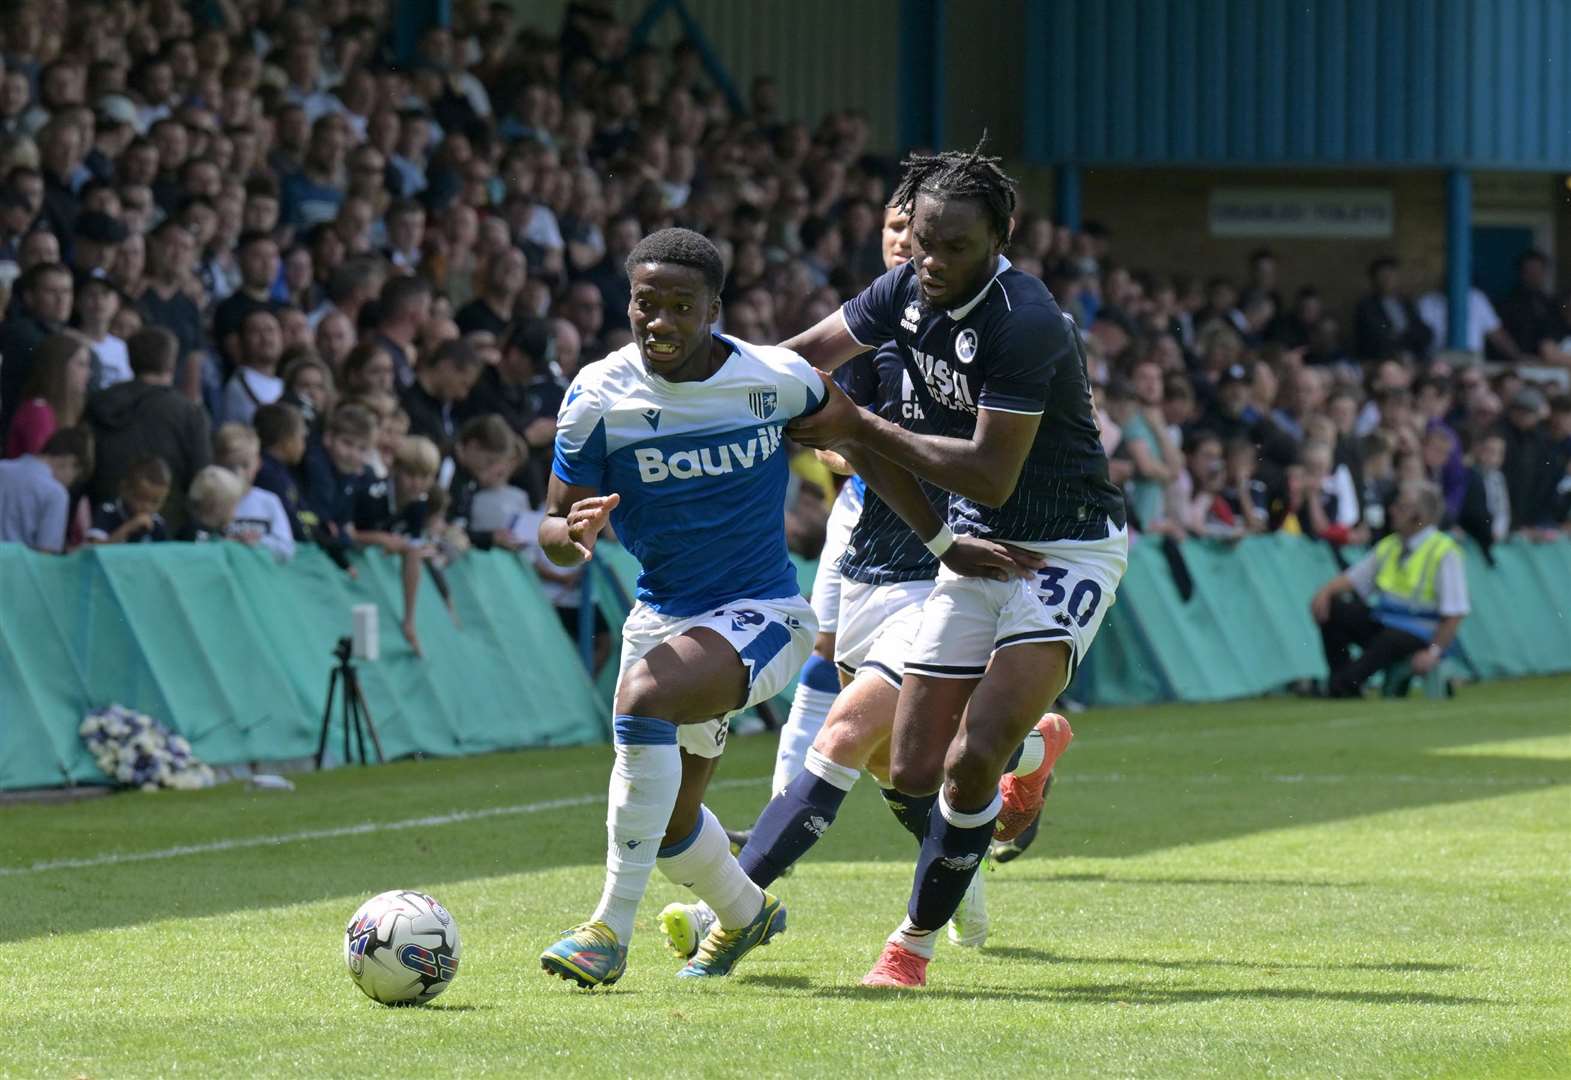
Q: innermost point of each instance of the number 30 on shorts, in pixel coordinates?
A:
(1083, 596)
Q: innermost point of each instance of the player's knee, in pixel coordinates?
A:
(641, 695)
(916, 777)
(974, 766)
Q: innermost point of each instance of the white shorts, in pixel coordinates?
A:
(773, 638)
(967, 619)
(827, 585)
(865, 610)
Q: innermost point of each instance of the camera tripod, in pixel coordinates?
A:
(357, 716)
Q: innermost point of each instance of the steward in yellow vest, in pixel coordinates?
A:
(1411, 596)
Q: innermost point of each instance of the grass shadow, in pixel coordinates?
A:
(1136, 994)
(1021, 952)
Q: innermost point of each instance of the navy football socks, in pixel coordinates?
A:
(952, 853)
(796, 819)
(912, 811)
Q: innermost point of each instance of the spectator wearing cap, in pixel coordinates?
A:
(259, 261)
(97, 304)
(491, 311)
(96, 243)
(1531, 315)
(1232, 416)
(521, 389)
(46, 294)
(113, 129)
(148, 417)
(255, 381)
(1529, 459)
(35, 490)
(1386, 323)
(434, 401)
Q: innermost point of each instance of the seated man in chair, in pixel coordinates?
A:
(1411, 597)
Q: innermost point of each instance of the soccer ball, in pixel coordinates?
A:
(402, 948)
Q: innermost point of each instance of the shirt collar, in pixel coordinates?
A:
(1414, 542)
(965, 309)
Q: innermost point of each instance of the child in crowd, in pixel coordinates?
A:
(281, 433)
(215, 493)
(134, 517)
(1244, 492)
(97, 304)
(260, 518)
(487, 453)
(336, 474)
(392, 514)
(1379, 487)
(35, 490)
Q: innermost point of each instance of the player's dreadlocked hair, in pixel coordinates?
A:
(680, 247)
(959, 174)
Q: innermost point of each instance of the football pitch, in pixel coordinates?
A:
(1277, 888)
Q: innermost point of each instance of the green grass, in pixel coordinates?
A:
(1266, 888)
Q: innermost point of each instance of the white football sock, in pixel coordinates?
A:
(921, 942)
(809, 709)
(1032, 754)
(644, 785)
(704, 863)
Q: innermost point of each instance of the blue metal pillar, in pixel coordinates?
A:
(923, 87)
(411, 18)
(1459, 255)
(1066, 195)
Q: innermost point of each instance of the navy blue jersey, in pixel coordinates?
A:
(882, 548)
(1009, 349)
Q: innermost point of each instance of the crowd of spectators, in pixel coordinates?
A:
(268, 284)
(1226, 412)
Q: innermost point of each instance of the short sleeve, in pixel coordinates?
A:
(859, 379)
(1362, 573)
(810, 386)
(872, 314)
(1023, 354)
(578, 456)
(1451, 586)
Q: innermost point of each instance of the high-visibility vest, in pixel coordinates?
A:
(1405, 594)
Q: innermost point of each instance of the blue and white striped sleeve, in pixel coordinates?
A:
(578, 456)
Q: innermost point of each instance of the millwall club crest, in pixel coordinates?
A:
(965, 345)
(763, 400)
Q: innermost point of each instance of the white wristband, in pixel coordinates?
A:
(940, 543)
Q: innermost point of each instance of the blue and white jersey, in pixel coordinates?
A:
(699, 468)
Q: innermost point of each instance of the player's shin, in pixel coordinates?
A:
(703, 862)
(644, 784)
(815, 693)
(951, 854)
(795, 820)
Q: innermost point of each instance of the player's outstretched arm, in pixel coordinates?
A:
(574, 518)
(966, 555)
(827, 344)
(983, 468)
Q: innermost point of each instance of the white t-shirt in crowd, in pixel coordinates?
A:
(114, 361)
(247, 391)
(262, 513)
(1435, 309)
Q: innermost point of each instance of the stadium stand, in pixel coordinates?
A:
(312, 222)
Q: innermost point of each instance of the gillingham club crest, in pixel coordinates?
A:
(763, 401)
(965, 345)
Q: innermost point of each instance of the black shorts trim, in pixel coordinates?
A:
(845, 668)
(950, 670)
(1034, 635)
(889, 675)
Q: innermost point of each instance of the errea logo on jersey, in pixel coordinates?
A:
(655, 466)
(911, 317)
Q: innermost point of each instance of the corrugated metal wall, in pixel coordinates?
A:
(1485, 83)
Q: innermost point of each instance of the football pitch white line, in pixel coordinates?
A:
(457, 817)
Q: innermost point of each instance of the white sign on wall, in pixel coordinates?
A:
(1325, 213)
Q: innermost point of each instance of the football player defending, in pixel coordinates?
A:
(675, 440)
(1001, 375)
(887, 573)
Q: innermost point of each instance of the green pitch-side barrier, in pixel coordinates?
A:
(233, 651)
(1246, 629)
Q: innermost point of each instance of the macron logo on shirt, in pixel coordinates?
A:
(655, 466)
